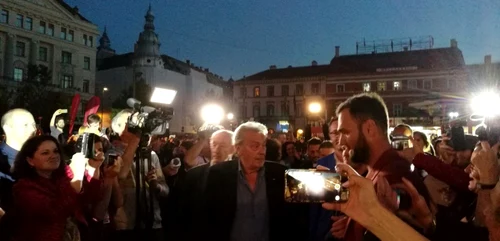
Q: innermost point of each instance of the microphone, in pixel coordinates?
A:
(133, 103)
(148, 109)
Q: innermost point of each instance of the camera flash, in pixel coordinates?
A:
(412, 167)
(337, 198)
(337, 186)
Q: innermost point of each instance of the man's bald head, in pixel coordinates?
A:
(221, 146)
(18, 125)
(223, 134)
(8, 118)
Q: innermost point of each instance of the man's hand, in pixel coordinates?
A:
(484, 164)
(113, 170)
(152, 178)
(170, 170)
(339, 226)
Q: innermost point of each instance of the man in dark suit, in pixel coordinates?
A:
(244, 199)
(363, 127)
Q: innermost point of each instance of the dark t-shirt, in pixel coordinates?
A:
(7, 157)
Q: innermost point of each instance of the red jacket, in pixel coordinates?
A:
(43, 205)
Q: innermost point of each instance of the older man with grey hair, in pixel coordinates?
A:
(244, 199)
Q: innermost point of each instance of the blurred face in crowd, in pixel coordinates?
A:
(98, 151)
(352, 137)
(20, 126)
(313, 152)
(252, 150)
(221, 146)
(60, 124)
(46, 157)
(282, 138)
(333, 133)
(417, 138)
(325, 151)
(290, 150)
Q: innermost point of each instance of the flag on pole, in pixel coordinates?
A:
(74, 109)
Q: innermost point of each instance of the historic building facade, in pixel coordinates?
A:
(52, 34)
(194, 85)
(405, 79)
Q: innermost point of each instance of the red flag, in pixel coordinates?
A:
(74, 109)
(91, 108)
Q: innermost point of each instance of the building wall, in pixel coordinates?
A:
(51, 13)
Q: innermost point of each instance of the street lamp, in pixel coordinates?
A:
(102, 108)
(212, 114)
(315, 107)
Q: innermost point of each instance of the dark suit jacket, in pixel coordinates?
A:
(220, 206)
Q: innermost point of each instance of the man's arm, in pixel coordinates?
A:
(129, 154)
(193, 152)
(161, 186)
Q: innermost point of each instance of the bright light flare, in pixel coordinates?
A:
(315, 107)
(163, 96)
(230, 116)
(314, 182)
(485, 104)
(212, 114)
(452, 115)
(300, 131)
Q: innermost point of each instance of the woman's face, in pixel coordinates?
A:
(418, 140)
(290, 150)
(46, 157)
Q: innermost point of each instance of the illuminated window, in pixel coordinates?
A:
(256, 92)
(381, 86)
(396, 85)
(366, 87)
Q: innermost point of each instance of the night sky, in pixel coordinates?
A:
(243, 37)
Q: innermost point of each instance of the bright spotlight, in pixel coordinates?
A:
(453, 115)
(315, 107)
(163, 96)
(212, 114)
(300, 131)
(230, 116)
(485, 104)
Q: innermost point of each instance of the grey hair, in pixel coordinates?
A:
(227, 132)
(117, 124)
(248, 126)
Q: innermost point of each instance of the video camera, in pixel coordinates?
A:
(147, 119)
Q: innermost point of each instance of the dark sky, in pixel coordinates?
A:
(243, 37)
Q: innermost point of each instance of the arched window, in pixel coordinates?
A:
(270, 110)
(256, 111)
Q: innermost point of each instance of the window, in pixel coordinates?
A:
(270, 110)
(86, 86)
(256, 92)
(19, 21)
(5, 17)
(285, 109)
(315, 88)
(299, 89)
(18, 74)
(84, 40)
(366, 87)
(20, 49)
(243, 111)
(396, 85)
(340, 88)
(270, 91)
(70, 36)
(256, 111)
(243, 92)
(86, 63)
(42, 27)
(42, 54)
(284, 90)
(66, 81)
(298, 109)
(427, 84)
(381, 86)
(91, 41)
(397, 109)
(66, 57)
(50, 30)
(412, 84)
(63, 33)
(28, 23)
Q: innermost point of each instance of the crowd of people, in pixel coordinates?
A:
(229, 185)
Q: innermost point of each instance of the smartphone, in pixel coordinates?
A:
(314, 186)
(112, 159)
(85, 145)
(400, 142)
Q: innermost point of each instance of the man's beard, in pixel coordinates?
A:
(361, 151)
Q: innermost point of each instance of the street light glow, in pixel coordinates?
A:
(300, 131)
(315, 107)
(484, 104)
(212, 114)
(105, 89)
(230, 116)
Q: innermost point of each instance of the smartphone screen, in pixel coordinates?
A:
(400, 142)
(314, 186)
(112, 159)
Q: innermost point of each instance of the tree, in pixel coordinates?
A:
(142, 93)
(38, 95)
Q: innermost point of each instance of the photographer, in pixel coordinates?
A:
(199, 153)
(127, 227)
